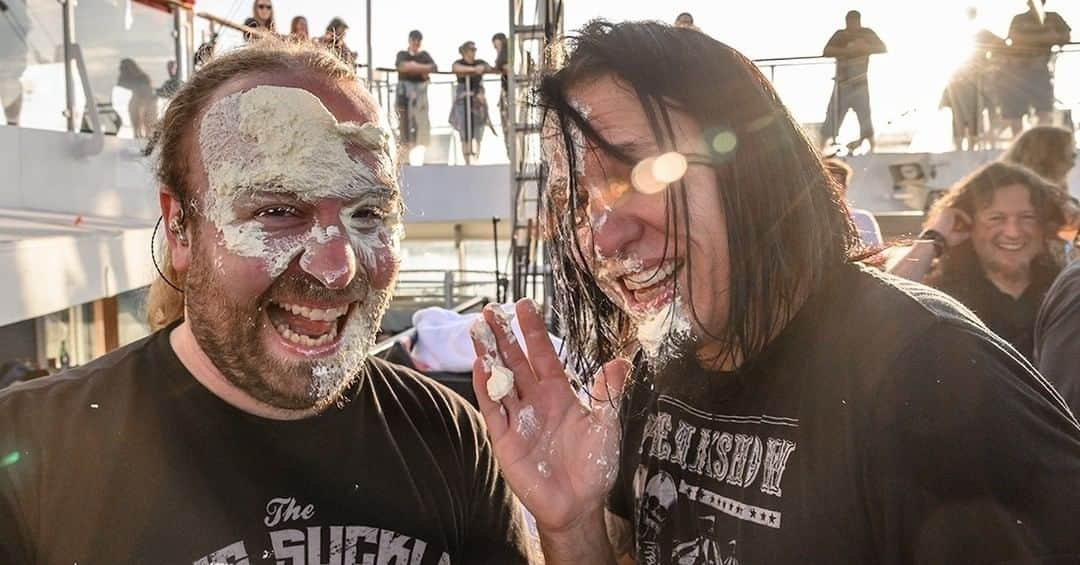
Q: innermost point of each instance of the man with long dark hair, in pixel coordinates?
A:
(756, 388)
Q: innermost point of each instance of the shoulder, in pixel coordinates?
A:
(116, 369)
(919, 306)
(1063, 297)
(417, 395)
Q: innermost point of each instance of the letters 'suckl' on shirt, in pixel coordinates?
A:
(885, 424)
(130, 460)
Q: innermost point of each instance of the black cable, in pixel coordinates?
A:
(153, 257)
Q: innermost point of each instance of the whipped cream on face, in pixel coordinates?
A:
(282, 139)
(275, 139)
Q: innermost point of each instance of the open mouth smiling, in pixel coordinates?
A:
(309, 329)
(651, 286)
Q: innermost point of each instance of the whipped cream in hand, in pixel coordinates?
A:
(562, 464)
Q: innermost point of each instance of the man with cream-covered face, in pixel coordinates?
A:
(758, 395)
(253, 427)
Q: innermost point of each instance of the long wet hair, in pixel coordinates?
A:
(787, 228)
(173, 140)
(959, 265)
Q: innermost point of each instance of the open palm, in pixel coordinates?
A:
(559, 456)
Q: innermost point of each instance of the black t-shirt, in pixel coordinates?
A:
(131, 460)
(883, 425)
(1034, 51)
(1057, 336)
(421, 57)
(852, 70)
(476, 81)
(1010, 318)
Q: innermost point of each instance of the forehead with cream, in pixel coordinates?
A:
(277, 138)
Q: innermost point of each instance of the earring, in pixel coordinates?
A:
(175, 227)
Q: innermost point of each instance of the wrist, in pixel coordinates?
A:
(935, 238)
(583, 540)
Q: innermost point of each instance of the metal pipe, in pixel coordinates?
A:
(178, 44)
(370, 67)
(68, 33)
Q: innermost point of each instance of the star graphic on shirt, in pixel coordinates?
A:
(753, 513)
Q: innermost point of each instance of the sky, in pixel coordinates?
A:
(926, 39)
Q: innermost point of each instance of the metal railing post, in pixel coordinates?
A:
(448, 289)
(467, 146)
(68, 33)
(178, 44)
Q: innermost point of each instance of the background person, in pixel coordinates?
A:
(142, 108)
(851, 47)
(298, 29)
(502, 67)
(469, 116)
(1050, 151)
(985, 244)
(262, 11)
(414, 66)
(334, 40)
(1028, 82)
(865, 222)
(1057, 336)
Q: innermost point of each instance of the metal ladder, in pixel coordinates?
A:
(534, 24)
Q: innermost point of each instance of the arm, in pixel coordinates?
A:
(414, 68)
(919, 258)
(1057, 337)
(875, 45)
(463, 70)
(834, 48)
(971, 457)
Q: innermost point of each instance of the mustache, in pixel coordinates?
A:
(301, 287)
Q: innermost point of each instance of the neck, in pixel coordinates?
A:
(1013, 283)
(414, 50)
(203, 369)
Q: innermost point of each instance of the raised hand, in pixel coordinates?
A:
(559, 456)
(954, 224)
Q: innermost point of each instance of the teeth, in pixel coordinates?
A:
(649, 277)
(304, 340)
(315, 313)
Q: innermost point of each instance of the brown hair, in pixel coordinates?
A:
(1042, 149)
(976, 191)
(172, 142)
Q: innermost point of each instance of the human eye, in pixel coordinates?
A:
(277, 212)
(368, 216)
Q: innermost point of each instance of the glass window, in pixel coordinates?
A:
(31, 65)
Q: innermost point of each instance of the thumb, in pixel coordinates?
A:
(610, 380)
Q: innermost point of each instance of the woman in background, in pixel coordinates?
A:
(298, 29)
(263, 13)
(143, 105)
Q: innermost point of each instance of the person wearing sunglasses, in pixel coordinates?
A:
(263, 13)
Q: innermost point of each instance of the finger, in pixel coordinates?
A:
(510, 351)
(482, 337)
(494, 414)
(610, 382)
(545, 362)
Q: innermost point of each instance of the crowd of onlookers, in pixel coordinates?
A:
(1003, 81)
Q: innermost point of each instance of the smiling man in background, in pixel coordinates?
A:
(254, 427)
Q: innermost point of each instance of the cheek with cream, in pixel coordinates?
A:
(336, 217)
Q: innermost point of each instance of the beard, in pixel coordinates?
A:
(232, 336)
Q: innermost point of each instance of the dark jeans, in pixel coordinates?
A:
(853, 96)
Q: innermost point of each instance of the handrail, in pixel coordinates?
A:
(389, 342)
(233, 25)
(97, 140)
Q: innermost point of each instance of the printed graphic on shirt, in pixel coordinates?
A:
(320, 545)
(700, 475)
